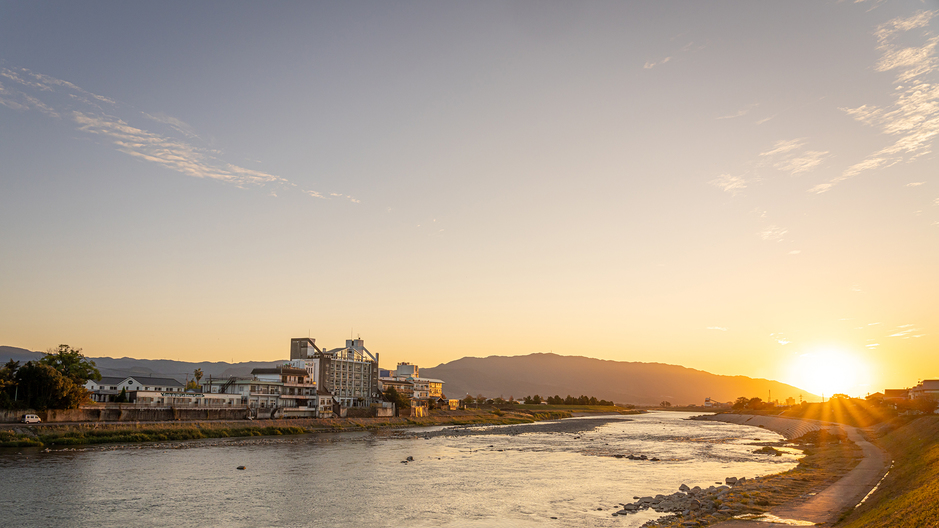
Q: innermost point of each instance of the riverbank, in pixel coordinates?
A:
(838, 469)
(53, 435)
(907, 496)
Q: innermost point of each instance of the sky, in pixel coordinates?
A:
(745, 188)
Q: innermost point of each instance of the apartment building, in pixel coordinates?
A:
(349, 373)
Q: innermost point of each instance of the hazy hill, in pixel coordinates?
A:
(144, 367)
(621, 382)
(518, 376)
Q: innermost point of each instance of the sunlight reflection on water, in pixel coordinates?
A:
(359, 479)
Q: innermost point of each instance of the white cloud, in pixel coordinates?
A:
(905, 331)
(177, 149)
(915, 184)
(728, 183)
(740, 113)
(784, 145)
(795, 252)
(773, 233)
(171, 153)
(652, 64)
(721, 328)
(177, 124)
(804, 163)
(914, 115)
(765, 119)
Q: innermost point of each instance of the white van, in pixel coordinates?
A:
(31, 418)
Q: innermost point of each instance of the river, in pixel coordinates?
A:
(521, 479)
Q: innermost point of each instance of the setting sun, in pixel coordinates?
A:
(828, 371)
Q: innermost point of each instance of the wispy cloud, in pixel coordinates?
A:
(783, 146)
(690, 47)
(907, 331)
(740, 113)
(721, 328)
(346, 196)
(804, 163)
(913, 118)
(729, 183)
(915, 184)
(795, 252)
(779, 338)
(178, 149)
(652, 64)
(765, 119)
(773, 232)
(177, 124)
(787, 156)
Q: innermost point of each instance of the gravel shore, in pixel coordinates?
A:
(579, 425)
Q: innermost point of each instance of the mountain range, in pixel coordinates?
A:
(180, 370)
(618, 381)
(508, 376)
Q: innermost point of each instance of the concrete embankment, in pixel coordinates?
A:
(788, 427)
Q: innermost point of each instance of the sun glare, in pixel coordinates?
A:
(829, 371)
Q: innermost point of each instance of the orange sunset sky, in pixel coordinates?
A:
(737, 187)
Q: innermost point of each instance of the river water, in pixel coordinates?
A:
(358, 479)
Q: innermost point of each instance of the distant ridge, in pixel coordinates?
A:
(518, 376)
(619, 381)
(149, 367)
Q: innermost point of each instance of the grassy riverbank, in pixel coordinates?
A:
(826, 459)
(907, 496)
(50, 435)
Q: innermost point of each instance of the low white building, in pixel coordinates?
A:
(186, 399)
(108, 388)
(925, 389)
(285, 389)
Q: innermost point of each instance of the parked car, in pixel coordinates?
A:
(31, 418)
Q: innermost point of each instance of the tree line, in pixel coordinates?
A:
(569, 400)
(56, 381)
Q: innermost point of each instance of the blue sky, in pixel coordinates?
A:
(738, 187)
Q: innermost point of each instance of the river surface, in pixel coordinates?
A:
(506, 478)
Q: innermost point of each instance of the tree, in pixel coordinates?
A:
(925, 405)
(43, 387)
(395, 397)
(666, 404)
(122, 397)
(468, 400)
(198, 375)
(8, 392)
(72, 364)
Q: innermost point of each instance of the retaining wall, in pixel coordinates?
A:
(129, 413)
(788, 427)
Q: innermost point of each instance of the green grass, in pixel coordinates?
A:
(907, 497)
(575, 408)
(11, 439)
(88, 434)
(159, 434)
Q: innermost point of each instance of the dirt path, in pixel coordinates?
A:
(825, 507)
